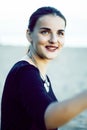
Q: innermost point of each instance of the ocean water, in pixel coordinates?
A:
(68, 74)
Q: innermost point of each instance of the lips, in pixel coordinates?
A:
(51, 48)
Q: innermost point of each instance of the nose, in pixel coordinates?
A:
(53, 38)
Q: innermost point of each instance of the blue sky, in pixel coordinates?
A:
(14, 17)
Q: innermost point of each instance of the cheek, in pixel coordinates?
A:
(39, 39)
(62, 41)
(42, 40)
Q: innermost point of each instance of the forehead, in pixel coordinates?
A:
(50, 21)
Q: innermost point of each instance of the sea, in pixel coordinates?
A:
(68, 75)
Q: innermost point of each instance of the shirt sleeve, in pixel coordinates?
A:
(33, 95)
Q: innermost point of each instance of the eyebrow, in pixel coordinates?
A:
(45, 28)
(61, 30)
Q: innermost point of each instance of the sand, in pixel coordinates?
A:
(68, 74)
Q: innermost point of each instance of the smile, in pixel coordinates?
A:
(51, 48)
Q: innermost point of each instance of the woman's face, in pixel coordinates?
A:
(48, 36)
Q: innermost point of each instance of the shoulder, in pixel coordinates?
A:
(23, 65)
(22, 68)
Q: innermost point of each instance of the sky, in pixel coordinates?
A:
(14, 16)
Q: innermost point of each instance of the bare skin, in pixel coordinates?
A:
(46, 40)
(57, 114)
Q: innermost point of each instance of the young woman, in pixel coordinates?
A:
(28, 102)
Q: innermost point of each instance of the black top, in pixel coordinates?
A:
(24, 99)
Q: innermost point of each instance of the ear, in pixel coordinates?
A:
(28, 35)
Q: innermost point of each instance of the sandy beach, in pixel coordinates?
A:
(68, 73)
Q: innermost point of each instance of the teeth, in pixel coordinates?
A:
(52, 48)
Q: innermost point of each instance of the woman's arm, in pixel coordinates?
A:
(57, 114)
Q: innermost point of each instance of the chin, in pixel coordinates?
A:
(51, 57)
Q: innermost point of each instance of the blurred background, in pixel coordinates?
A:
(68, 72)
(14, 16)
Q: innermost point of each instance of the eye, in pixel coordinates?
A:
(44, 32)
(61, 33)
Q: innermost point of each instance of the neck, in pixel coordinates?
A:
(40, 63)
